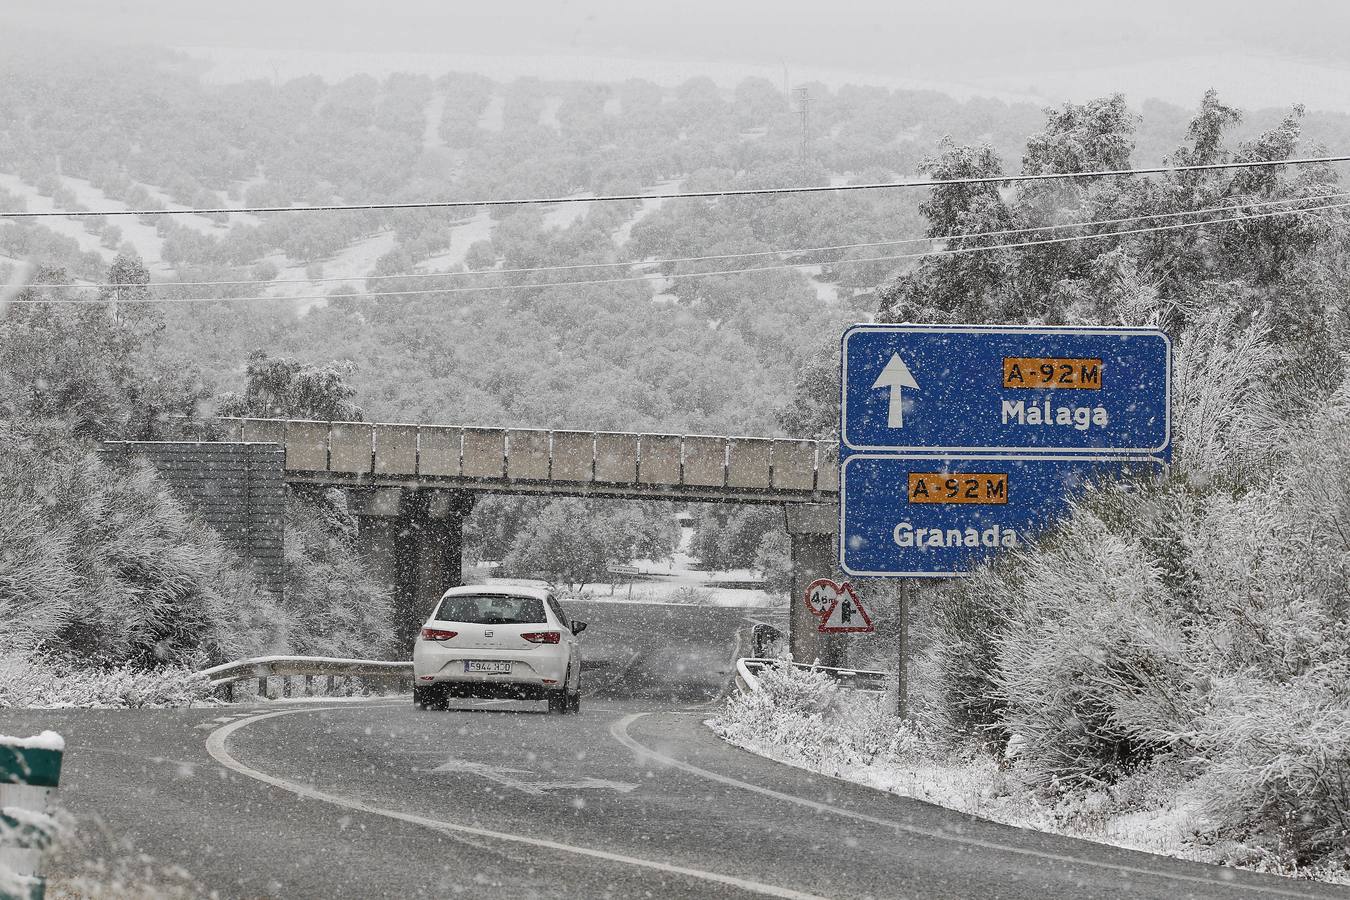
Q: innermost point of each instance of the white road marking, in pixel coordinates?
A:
(1224, 878)
(216, 746)
(503, 776)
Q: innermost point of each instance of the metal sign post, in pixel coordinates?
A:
(902, 655)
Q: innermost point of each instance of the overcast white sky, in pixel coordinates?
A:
(1045, 48)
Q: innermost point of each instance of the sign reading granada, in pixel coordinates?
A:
(927, 515)
(972, 388)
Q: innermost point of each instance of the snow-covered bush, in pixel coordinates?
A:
(1279, 783)
(968, 616)
(802, 716)
(1224, 424)
(328, 586)
(102, 564)
(1196, 628)
(27, 681)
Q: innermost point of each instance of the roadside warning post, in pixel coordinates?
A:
(958, 442)
(30, 769)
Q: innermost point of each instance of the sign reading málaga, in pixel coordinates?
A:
(958, 441)
(968, 388)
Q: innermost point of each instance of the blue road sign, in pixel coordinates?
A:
(968, 388)
(939, 515)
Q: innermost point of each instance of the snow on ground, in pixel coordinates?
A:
(548, 116)
(490, 119)
(33, 683)
(662, 583)
(149, 245)
(353, 263)
(462, 237)
(431, 134)
(826, 292)
(47, 740)
(67, 227)
(665, 582)
(645, 209)
(678, 580)
(201, 223)
(978, 788)
(144, 238)
(564, 215)
(1156, 816)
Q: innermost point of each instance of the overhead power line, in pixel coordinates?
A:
(480, 273)
(957, 251)
(692, 195)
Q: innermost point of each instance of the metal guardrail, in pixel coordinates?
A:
(338, 675)
(30, 769)
(307, 676)
(863, 680)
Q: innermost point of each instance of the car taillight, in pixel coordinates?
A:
(542, 637)
(437, 634)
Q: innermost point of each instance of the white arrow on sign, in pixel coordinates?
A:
(895, 376)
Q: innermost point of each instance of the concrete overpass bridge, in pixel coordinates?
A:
(411, 486)
(621, 465)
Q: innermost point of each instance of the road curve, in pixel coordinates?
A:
(634, 797)
(631, 798)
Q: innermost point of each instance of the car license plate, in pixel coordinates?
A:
(491, 667)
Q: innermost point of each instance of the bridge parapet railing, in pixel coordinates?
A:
(778, 467)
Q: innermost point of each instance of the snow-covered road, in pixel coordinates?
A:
(634, 797)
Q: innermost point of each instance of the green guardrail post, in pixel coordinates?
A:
(30, 768)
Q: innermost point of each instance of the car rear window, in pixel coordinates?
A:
(491, 609)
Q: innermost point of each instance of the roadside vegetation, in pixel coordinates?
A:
(110, 588)
(1173, 650)
(1174, 642)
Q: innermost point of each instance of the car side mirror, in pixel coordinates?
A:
(578, 627)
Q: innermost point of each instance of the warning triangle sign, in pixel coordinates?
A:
(847, 615)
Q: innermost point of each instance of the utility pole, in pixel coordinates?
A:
(804, 101)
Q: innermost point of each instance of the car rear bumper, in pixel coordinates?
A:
(544, 669)
(490, 689)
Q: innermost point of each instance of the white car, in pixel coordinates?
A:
(498, 641)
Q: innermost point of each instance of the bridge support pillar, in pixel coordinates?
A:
(440, 546)
(812, 529)
(377, 514)
(411, 540)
